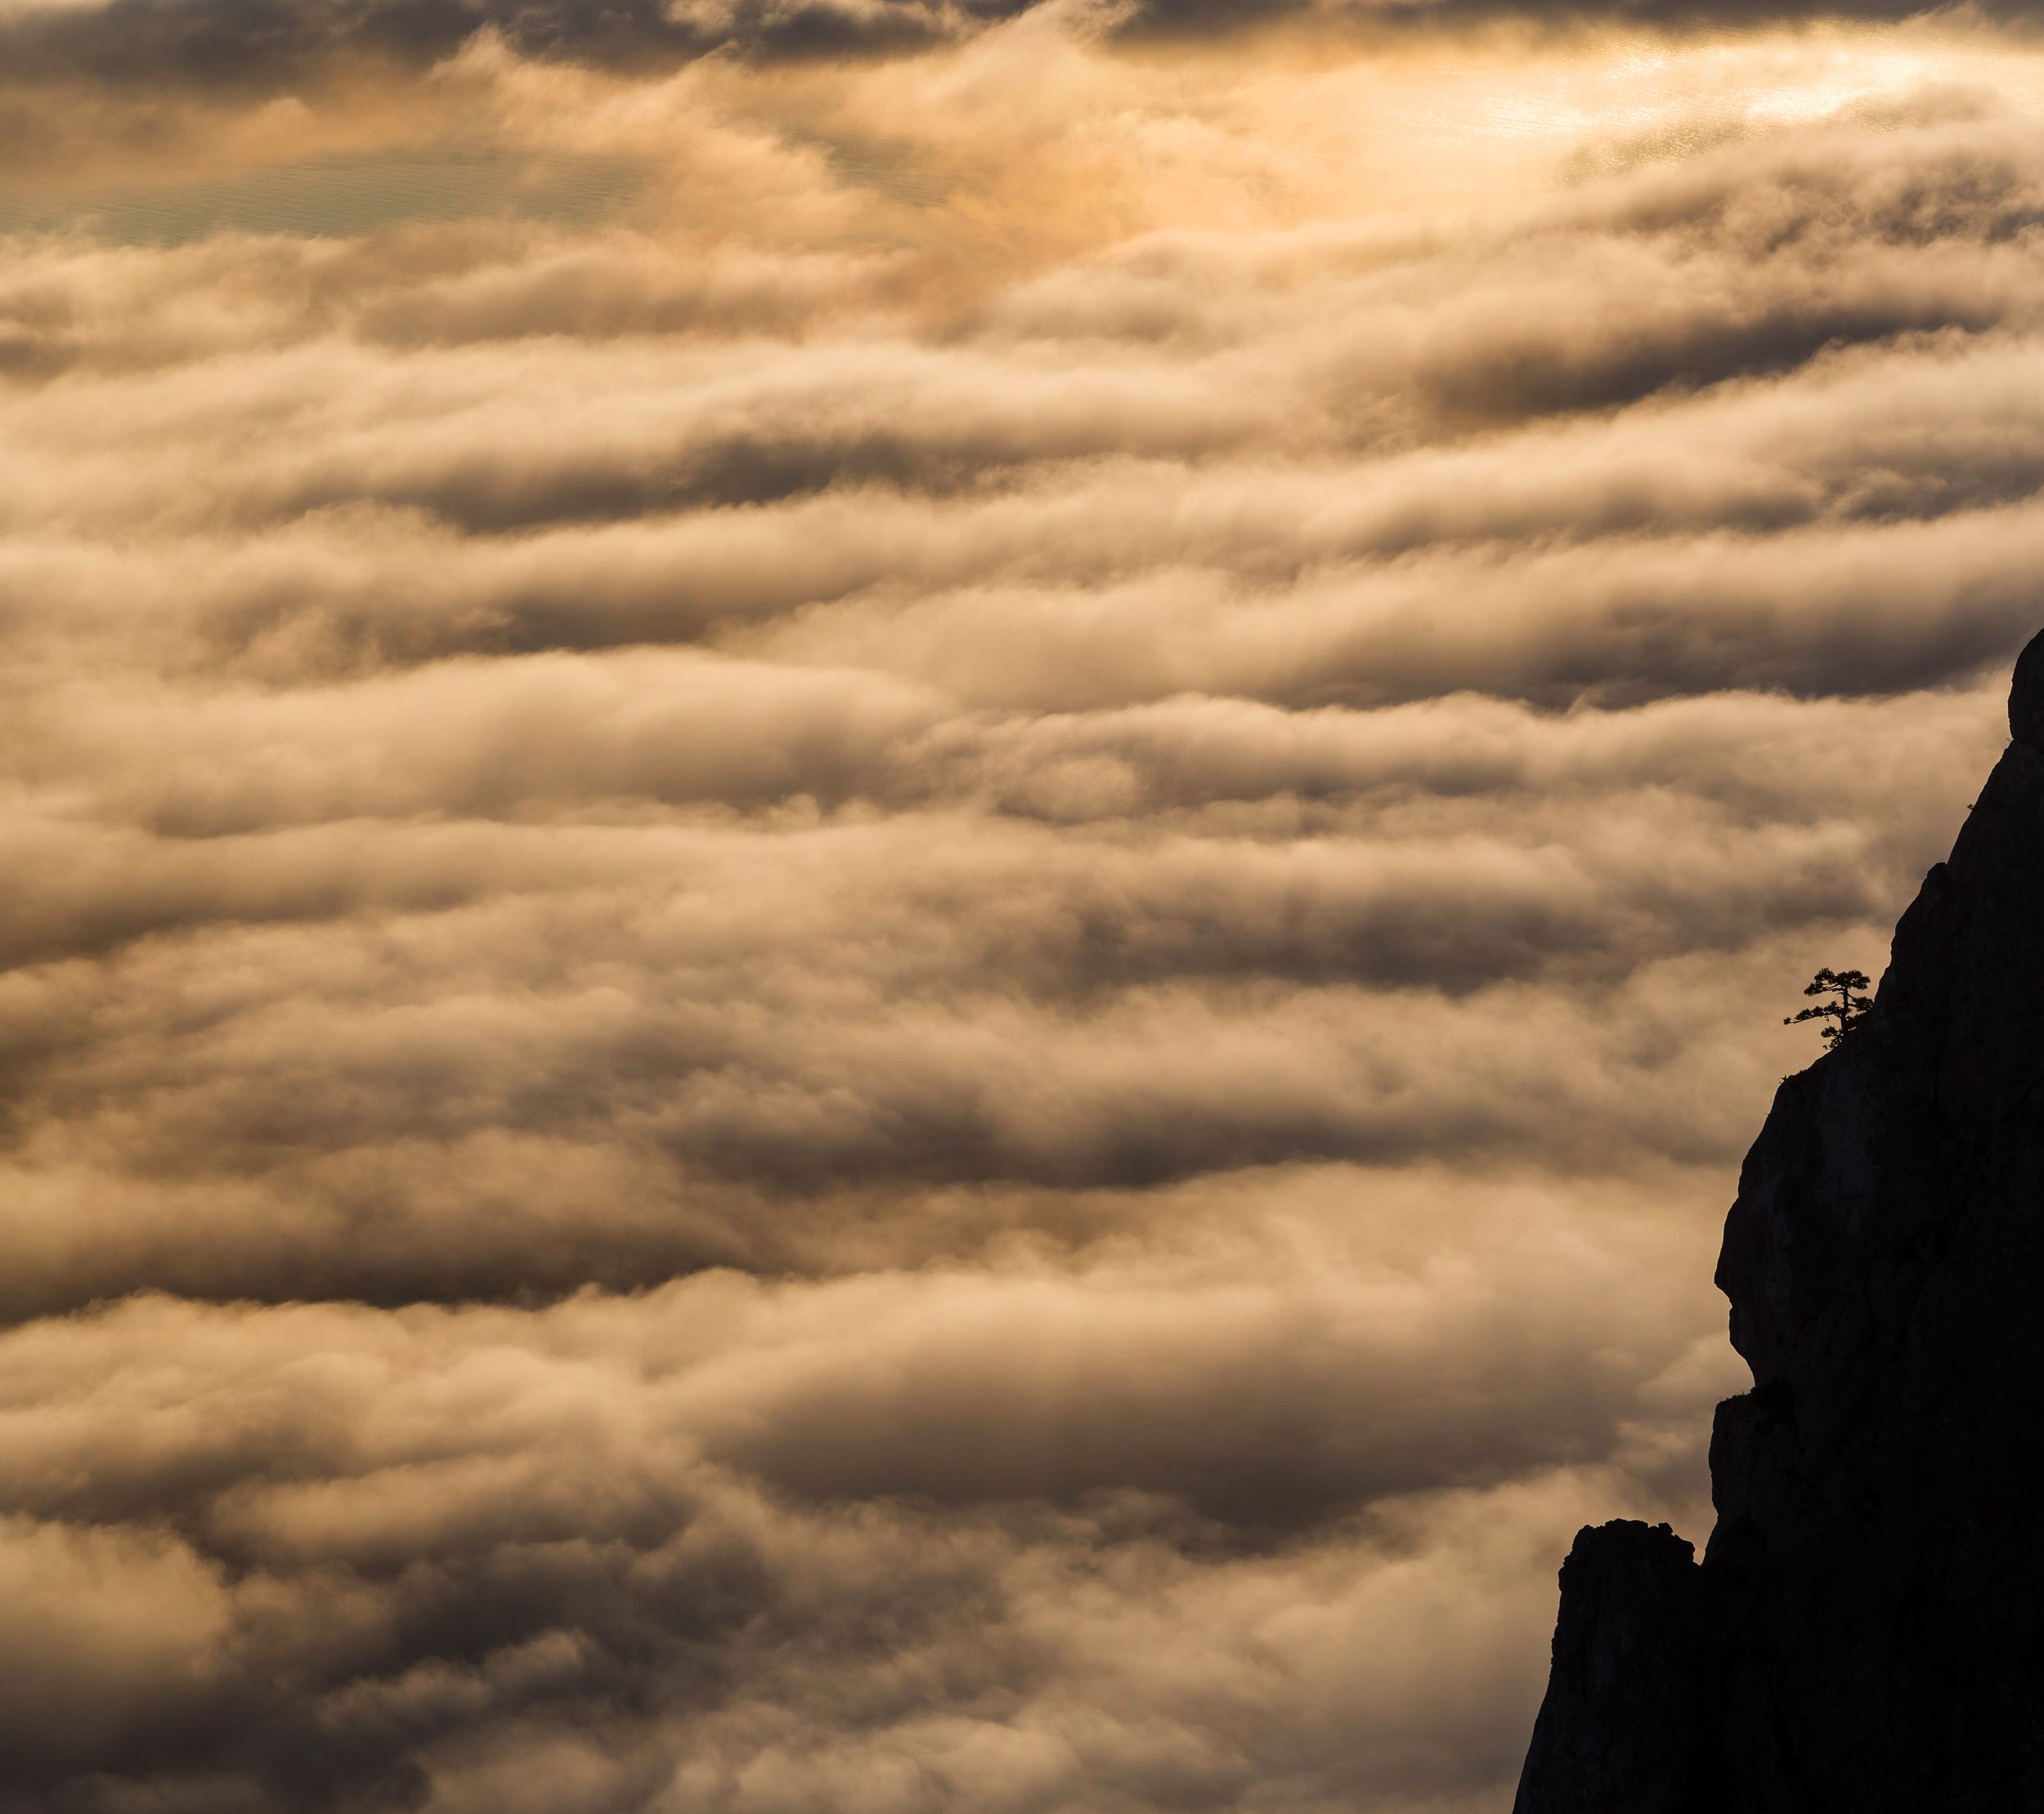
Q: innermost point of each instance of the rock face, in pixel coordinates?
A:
(1866, 1630)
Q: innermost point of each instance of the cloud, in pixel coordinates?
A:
(208, 45)
(483, 1527)
(919, 972)
(214, 46)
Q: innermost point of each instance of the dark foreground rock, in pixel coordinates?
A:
(1865, 1630)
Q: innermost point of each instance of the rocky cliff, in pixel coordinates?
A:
(1866, 1629)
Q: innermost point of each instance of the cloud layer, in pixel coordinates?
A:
(907, 959)
(255, 47)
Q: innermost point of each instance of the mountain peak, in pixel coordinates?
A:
(1862, 1632)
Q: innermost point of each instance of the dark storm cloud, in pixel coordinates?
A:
(925, 983)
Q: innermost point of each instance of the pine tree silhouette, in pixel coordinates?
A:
(1845, 1013)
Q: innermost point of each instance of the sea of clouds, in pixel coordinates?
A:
(896, 945)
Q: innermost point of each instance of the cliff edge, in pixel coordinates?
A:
(1866, 1629)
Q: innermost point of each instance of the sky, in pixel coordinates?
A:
(894, 887)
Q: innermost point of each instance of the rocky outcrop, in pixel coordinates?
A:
(1625, 1653)
(1865, 1630)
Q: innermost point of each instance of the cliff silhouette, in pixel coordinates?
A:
(1866, 1629)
